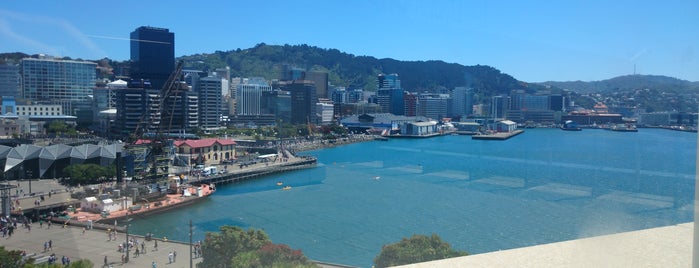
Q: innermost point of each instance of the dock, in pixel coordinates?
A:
(498, 135)
(236, 174)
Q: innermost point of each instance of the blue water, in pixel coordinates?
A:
(543, 186)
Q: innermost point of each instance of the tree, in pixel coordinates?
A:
(13, 258)
(235, 247)
(418, 248)
(88, 173)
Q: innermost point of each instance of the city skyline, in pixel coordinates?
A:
(534, 42)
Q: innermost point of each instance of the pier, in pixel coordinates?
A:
(238, 174)
(498, 135)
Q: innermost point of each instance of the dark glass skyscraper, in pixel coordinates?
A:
(152, 54)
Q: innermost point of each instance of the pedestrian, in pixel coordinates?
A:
(153, 264)
(155, 246)
(143, 247)
(83, 230)
(46, 246)
(174, 256)
(105, 261)
(122, 257)
(50, 244)
(169, 257)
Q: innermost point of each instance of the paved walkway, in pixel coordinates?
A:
(92, 245)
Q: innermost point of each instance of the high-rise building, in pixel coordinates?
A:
(462, 101)
(210, 99)
(152, 55)
(390, 95)
(54, 81)
(434, 106)
(303, 101)
(321, 81)
(499, 106)
(137, 109)
(249, 95)
(9, 80)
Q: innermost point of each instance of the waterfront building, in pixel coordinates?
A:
(303, 100)
(9, 80)
(505, 126)
(418, 128)
(389, 94)
(180, 111)
(538, 116)
(205, 151)
(55, 81)
(654, 119)
(592, 119)
(462, 101)
(498, 106)
(557, 103)
(434, 106)
(28, 161)
(209, 92)
(411, 103)
(152, 54)
(361, 123)
(325, 113)
(137, 109)
(347, 109)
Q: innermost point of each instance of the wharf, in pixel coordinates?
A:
(498, 135)
(256, 170)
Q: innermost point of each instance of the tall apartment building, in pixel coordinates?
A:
(9, 80)
(209, 92)
(53, 81)
(152, 55)
(137, 108)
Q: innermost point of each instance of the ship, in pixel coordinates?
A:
(570, 125)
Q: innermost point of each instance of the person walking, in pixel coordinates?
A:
(105, 261)
(169, 257)
(174, 256)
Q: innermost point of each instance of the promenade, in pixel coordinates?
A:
(93, 245)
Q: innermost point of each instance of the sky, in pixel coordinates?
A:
(534, 41)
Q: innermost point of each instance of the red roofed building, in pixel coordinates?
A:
(207, 151)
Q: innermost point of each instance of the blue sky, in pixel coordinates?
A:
(533, 41)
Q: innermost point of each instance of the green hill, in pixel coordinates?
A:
(356, 71)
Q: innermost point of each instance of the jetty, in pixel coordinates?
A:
(497, 135)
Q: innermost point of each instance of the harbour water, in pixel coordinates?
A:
(543, 186)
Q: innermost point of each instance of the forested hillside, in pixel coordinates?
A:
(355, 71)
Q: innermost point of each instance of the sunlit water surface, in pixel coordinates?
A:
(543, 186)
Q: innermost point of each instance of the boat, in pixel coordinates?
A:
(570, 125)
(381, 138)
(279, 183)
(624, 128)
(285, 188)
